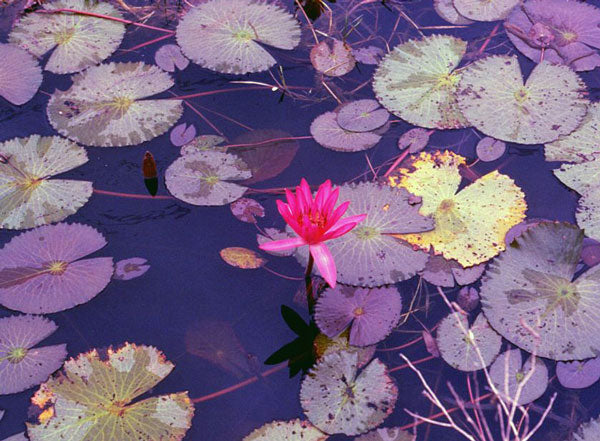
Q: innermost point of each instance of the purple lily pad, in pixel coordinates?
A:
(468, 298)
(578, 374)
(246, 210)
(368, 55)
(333, 60)
(182, 134)
(169, 56)
(590, 253)
(519, 229)
(489, 149)
(372, 312)
(415, 139)
(41, 271)
(18, 437)
(362, 116)
(20, 78)
(443, 272)
(21, 365)
(327, 132)
(508, 373)
(131, 268)
(431, 344)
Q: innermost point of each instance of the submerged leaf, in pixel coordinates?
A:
(333, 59)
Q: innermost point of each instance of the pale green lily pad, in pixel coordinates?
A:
(458, 342)
(529, 296)
(229, 35)
(584, 178)
(417, 82)
(294, 430)
(447, 10)
(77, 41)
(92, 398)
(582, 144)
(201, 178)
(368, 255)
(509, 374)
(28, 196)
(485, 10)
(108, 105)
(494, 98)
(589, 431)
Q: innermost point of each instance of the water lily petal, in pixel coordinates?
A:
(356, 219)
(337, 214)
(330, 202)
(291, 199)
(283, 244)
(288, 215)
(332, 234)
(323, 194)
(304, 193)
(325, 263)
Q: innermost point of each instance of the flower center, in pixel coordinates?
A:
(16, 355)
(243, 36)
(569, 36)
(211, 180)
(64, 36)
(358, 311)
(31, 182)
(366, 233)
(315, 218)
(58, 267)
(122, 104)
(521, 95)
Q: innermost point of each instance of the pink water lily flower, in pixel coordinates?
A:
(315, 221)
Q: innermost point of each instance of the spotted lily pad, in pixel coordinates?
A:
(368, 255)
(92, 399)
(337, 398)
(509, 374)
(294, 430)
(108, 105)
(327, 132)
(28, 197)
(77, 41)
(485, 10)
(582, 144)
(332, 58)
(372, 313)
(470, 224)
(443, 272)
(242, 258)
(529, 296)
(229, 36)
(247, 210)
(21, 365)
(201, 178)
(495, 99)
(21, 78)
(362, 116)
(387, 434)
(417, 82)
(202, 143)
(458, 342)
(578, 374)
(447, 10)
(42, 270)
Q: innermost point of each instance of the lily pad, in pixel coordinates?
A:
(76, 41)
(470, 224)
(202, 178)
(28, 195)
(21, 365)
(362, 116)
(458, 342)
(496, 100)
(108, 105)
(490, 149)
(447, 10)
(417, 82)
(529, 296)
(372, 313)
(368, 255)
(294, 430)
(414, 139)
(387, 434)
(337, 398)
(443, 272)
(247, 210)
(203, 143)
(578, 374)
(92, 399)
(42, 270)
(21, 78)
(333, 58)
(509, 373)
(368, 54)
(242, 258)
(182, 134)
(589, 431)
(169, 56)
(485, 10)
(131, 268)
(229, 36)
(327, 132)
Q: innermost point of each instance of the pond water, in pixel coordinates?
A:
(191, 295)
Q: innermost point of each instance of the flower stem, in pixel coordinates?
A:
(310, 296)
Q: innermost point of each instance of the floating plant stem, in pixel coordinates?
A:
(130, 195)
(310, 296)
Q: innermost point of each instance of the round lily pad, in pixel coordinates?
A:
(247, 210)
(578, 374)
(372, 313)
(582, 144)
(294, 430)
(447, 10)
(494, 98)
(368, 54)
(470, 224)
(20, 79)
(131, 268)
(387, 434)
(77, 41)
(485, 10)
(509, 373)
(28, 195)
(333, 58)
(368, 255)
(490, 149)
(92, 399)
(229, 35)
(242, 258)
(21, 365)
(169, 56)
(529, 296)
(337, 398)
(327, 132)
(362, 116)
(42, 270)
(108, 105)
(414, 139)
(182, 134)
(443, 272)
(324, 345)
(457, 342)
(417, 82)
(201, 178)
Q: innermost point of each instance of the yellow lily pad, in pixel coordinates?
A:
(242, 258)
(470, 224)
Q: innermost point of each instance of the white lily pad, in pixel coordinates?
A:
(109, 105)
(509, 374)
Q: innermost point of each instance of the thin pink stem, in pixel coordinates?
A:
(281, 275)
(107, 17)
(404, 366)
(130, 195)
(147, 43)
(487, 41)
(396, 162)
(405, 345)
(233, 89)
(268, 141)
